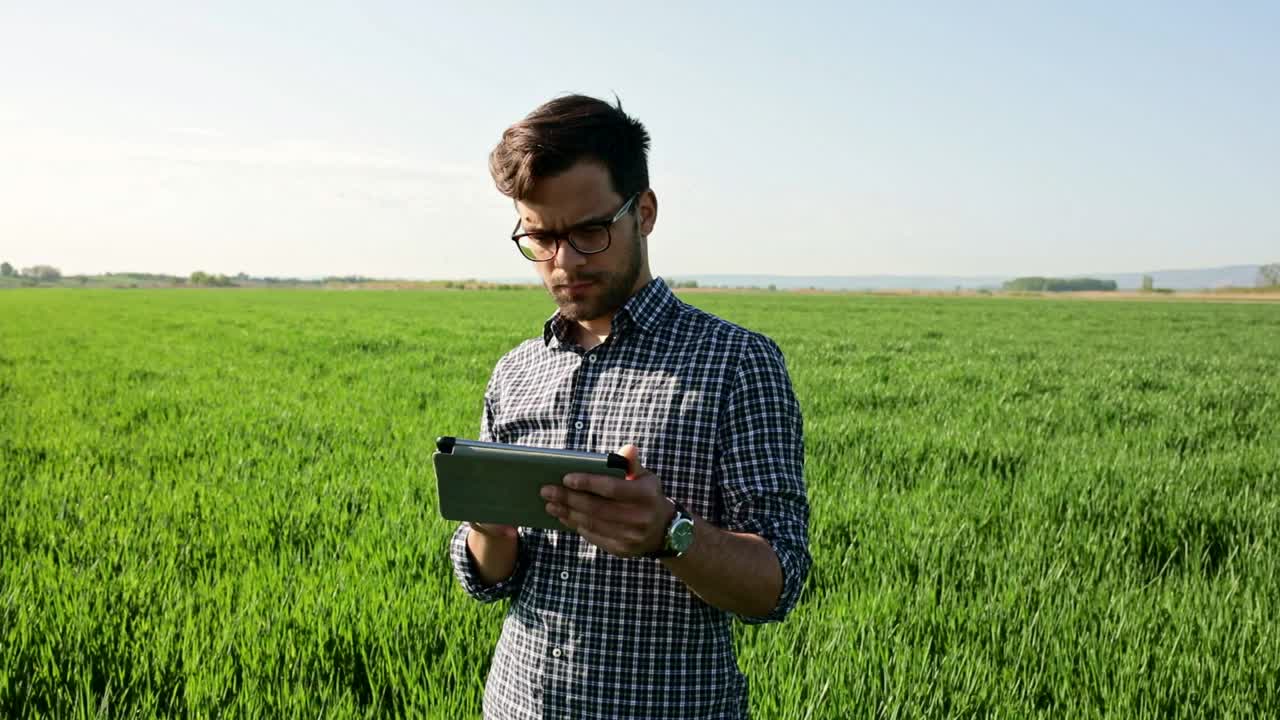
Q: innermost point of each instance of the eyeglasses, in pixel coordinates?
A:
(588, 238)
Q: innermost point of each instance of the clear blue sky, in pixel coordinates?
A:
(950, 138)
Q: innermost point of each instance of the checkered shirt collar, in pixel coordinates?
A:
(643, 311)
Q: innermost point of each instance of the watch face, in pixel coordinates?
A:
(681, 535)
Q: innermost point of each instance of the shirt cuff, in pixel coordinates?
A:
(794, 559)
(464, 567)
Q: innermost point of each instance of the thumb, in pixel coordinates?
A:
(632, 454)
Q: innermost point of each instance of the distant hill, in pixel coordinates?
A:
(1199, 279)
(1202, 279)
(1241, 276)
(845, 282)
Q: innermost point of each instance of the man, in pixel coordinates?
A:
(630, 616)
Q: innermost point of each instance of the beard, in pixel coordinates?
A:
(609, 290)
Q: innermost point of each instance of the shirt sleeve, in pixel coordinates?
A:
(464, 565)
(464, 568)
(760, 464)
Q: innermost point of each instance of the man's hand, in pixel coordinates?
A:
(624, 517)
(493, 548)
(736, 572)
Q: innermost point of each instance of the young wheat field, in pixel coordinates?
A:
(221, 504)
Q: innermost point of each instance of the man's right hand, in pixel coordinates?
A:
(493, 547)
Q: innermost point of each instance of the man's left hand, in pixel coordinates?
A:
(626, 517)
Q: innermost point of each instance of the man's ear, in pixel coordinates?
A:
(648, 212)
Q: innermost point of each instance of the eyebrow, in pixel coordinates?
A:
(598, 220)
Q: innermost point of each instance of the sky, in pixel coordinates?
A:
(313, 138)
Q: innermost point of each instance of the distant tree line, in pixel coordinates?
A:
(1268, 278)
(1047, 284)
(200, 278)
(142, 276)
(36, 273)
(1269, 275)
(42, 273)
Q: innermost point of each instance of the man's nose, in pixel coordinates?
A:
(567, 256)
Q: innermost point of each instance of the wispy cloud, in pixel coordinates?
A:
(307, 156)
(199, 132)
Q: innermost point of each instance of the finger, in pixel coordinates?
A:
(624, 546)
(565, 516)
(617, 512)
(606, 544)
(559, 512)
(584, 502)
(615, 536)
(632, 454)
(607, 486)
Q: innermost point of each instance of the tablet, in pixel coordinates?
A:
(497, 483)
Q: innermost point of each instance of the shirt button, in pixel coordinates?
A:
(578, 425)
(592, 358)
(564, 575)
(555, 653)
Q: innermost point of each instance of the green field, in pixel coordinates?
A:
(220, 503)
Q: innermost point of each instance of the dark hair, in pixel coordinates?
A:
(564, 131)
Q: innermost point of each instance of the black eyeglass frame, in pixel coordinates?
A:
(566, 235)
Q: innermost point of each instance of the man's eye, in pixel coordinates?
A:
(591, 234)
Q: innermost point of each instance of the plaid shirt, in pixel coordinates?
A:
(710, 406)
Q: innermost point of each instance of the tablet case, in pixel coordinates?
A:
(492, 482)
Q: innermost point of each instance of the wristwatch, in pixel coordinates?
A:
(679, 537)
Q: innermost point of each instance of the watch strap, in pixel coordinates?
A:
(667, 551)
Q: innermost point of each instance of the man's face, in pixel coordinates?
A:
(588, 287)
